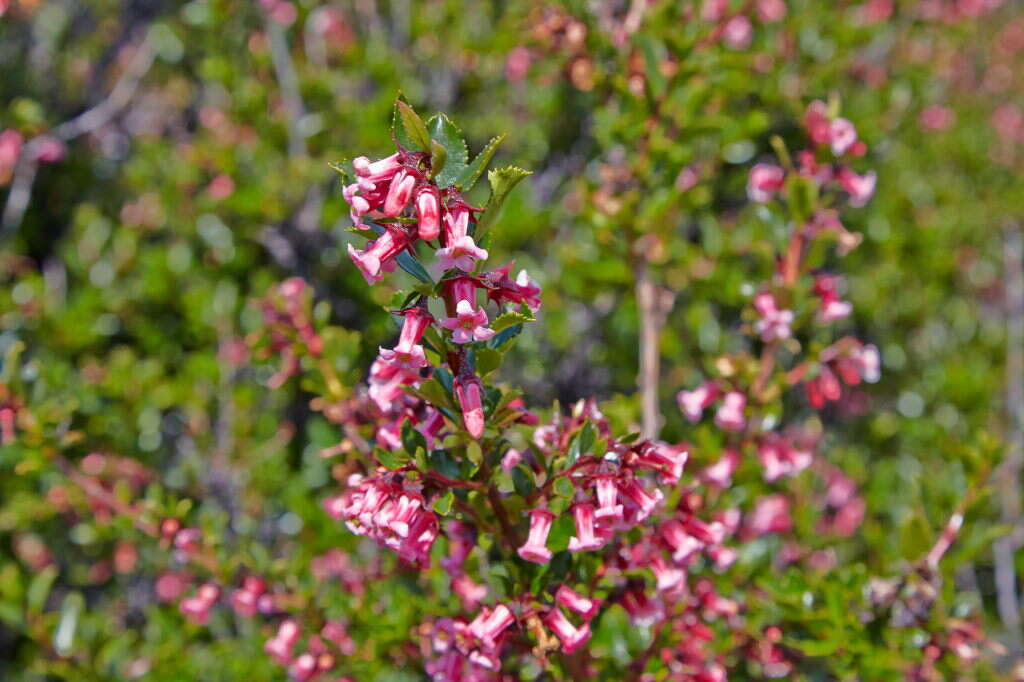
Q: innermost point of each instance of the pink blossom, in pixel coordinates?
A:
(643, 611)
(831, 308)
(720, 473)
(428, 212)
(462, 253)
(490, 624)
(468, 324)
(765, 181)
(667, 460)
(680, 542)
(279, 647)
(770, 11)
(842, 134)
(816, 121)
(608, 511)
(303, 668)
(779, 458)
(197, 608)
(577, 603)
(510, 460)
(503, 289)
(586, 538)
(535, 549)
(666, 576)
(379, 255)
(399, 193)
(643, 502)
(48, 149)
(936, 118)
(730, 413)
(469, 393)
(572, 638)
(774, 323)
(468, 590)
(693, 403)
(770, 515)
(738, 33)
(456, 222)
(860, 187)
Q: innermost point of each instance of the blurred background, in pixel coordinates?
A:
(164, 163)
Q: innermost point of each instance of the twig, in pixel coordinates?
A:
(1010, 469)
(653, 305)
(26, 169)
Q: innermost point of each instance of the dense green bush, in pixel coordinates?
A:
(167, 166)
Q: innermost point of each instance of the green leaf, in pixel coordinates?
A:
(474, 170)
(391, 459)
(502, 180)
(438, 158)
(411, 438)
(563, 486)
(503, 337)
(444, 464)
(506, 320)
(39, 589)
(522, 481)
(487, 360)
(338, 168)
(582, 442)
(413, 267)
(443, 504)
(449, 136)
(408, 128)
(64, 635)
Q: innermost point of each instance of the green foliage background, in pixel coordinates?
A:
(122, 324)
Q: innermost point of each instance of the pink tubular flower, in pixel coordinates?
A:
(586, 538)
(730, 414)
(197, 608)
(572, 638)
(770, 515)
(642, 501)
(667, 460)
(780, 458)
(774, 323)
(408, 354)
(842, 135)
(643, 611)
(503, 289)
(469, 393)
(428, 211)
(693, 403)
(303, 668)
(456, 222)
(399, 193)
(279, 647)
(577, 603)
(608, 511)
(860, 187)
(535, 549)
(379, 255)
(720, 473)
(765, 181)
(831, 308)
(461, 253)
(817, 124)
(490, 624)
(469, 324)
(738, 33)
(770, 11)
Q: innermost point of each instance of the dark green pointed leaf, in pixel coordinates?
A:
(413, 267)
(448, 135)
(39, 589)
(411, 438)
(503, 337)
(475, 169)
(522, 481)
(404, 127)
